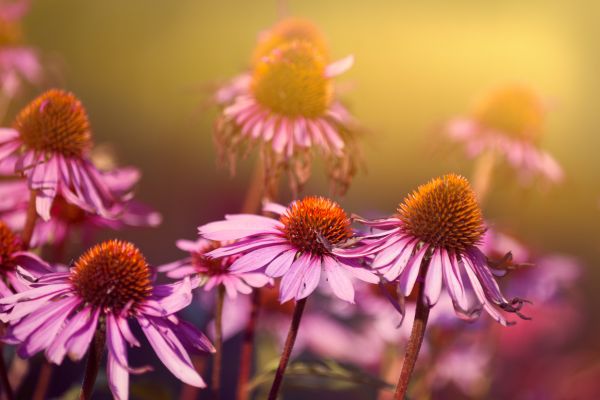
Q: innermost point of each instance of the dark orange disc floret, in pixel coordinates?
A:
(444, 213)
(10, 243)
(315, 224)
(55, 122)
(112, 275)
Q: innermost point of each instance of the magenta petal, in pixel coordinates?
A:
(311, 278)
(338, 279)
(292, 280)
(433, 278)
(411, 272)
(56, 352)
(171, 352)
(258, 258)
(78, 344)
(281, 264)
(174, 297)
(118, 378)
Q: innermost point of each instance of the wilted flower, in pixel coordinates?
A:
(439, 226)
(108, 285)
(212, 272)
(508, 122)
(298, 246)
(50, 145)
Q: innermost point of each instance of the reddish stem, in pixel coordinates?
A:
(247, 348)
(8, 392)
(29, 221)
(218, 360)
(94, 358)
(287, 349)
(414, 344)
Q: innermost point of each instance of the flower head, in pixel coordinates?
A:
(510, 122)
(59, 314)
(50, 145)
(212, 272)
(435, 237)
(287, 105)
(298, 246)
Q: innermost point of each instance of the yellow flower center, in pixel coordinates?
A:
(112, 275)
(315, 224)
(444, 213)
(291, 81)
(55, 122)
(513, 110)
(286, 31)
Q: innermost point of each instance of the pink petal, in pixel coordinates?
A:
(339, 67)
(338, 279)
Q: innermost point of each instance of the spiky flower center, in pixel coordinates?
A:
(55, 122)
(315, 224)
(291, 81)
(286, 31)
(112, 275)
(444, 213)
(513, 110)
(9, 244)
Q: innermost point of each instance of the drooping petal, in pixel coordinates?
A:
(433, 278)
(339, 280)
(411, 272)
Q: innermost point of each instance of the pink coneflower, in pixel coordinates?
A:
(212, 272)
(442, 224)
(299, 246)
(108, 285)
(288, 107)
(18, 63)
(50, 144)
(65, 217)
(13, 256)
(433, 241)
(508, 122)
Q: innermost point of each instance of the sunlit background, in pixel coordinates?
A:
(145, 71)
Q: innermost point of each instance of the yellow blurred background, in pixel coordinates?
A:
(145, 68)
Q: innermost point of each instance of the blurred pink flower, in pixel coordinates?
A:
(18, 63)
(212, 272)
(287, 106)
(110, 282)
(442, 224)
(298, 246)
(50, 145)
(65, 216)
(508, 122)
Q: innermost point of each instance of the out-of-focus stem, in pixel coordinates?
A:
(218, 359)
(414, 344)
(287, 349)
(43, 381)
(247, 347)
(6, 388)
(482, 175)
(29, 221)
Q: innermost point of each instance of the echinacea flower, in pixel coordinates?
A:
(212, 272)
(108, 285)
(12, 256)
(299, 246)
(66, 217)
(434, 237)
(18, 63)
(49, 145)
(289, 109)
(508, 122)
